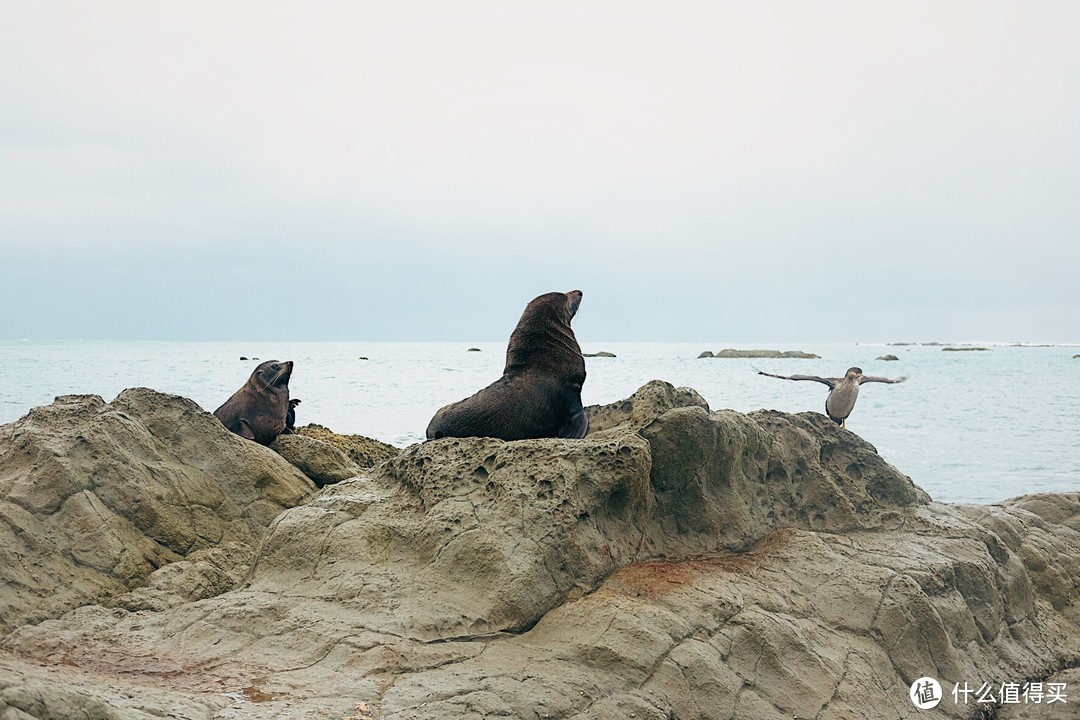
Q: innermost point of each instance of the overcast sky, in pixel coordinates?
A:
(723, 171)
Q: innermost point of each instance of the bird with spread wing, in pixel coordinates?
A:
(843, 392)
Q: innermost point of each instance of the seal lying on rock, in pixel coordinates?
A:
(259, 410)
(843, 392)
(539, 394)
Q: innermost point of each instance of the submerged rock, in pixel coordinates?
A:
(601, 354)
(676, 562)
(729, 353)
(889, 357)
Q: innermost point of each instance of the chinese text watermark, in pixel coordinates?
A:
(926, 693)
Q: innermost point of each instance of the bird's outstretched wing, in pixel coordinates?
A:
(872, 378)
(827, 381)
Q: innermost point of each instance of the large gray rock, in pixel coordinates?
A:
(674, 563)
(649, 402)
(327, 457)
(96, 497)
(323, 463)
(364, 451)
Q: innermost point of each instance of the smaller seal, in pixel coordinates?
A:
(843, 392)
(539, 393)
(260, 409)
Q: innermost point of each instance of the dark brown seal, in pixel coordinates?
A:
(259, 409)
(539, 394)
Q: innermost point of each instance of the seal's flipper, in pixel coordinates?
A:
(576, 424)
(290, 418)
(245, 430)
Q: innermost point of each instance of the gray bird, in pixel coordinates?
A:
(843, 392)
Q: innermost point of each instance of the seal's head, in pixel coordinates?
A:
(574, 298)
(543, 339)
(272, 374)
(553, 307)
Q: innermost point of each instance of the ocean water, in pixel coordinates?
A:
(966, 426)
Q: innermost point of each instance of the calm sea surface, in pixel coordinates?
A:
(966, 426)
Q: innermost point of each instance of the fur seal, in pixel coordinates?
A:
(843, 392)
(539, 393)
(261, 409)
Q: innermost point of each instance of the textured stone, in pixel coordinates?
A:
(364, 451)
(675, 563)
(320, 461)
(95, 497)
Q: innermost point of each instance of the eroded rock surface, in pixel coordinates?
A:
(675, 563)
(364, 451)
(95, 497)
(327, 457)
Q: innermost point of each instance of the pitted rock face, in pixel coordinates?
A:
(678, 563)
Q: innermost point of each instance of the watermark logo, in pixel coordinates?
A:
(925, 693)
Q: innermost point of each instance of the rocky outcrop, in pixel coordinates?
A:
(733, 353)
(364, 451)
(96, 497)
(674, 563)
(648, 403)
(327, 457)
(320, 461)
(601, 354)
(889, 357)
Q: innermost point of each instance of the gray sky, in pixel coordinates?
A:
(742, 171)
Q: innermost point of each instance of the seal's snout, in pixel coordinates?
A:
(574, 296)
(284, 373)
(274, 373)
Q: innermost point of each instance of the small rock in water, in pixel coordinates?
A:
(888, 357)
(474, 349)
(602, 353)
(786, 354)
